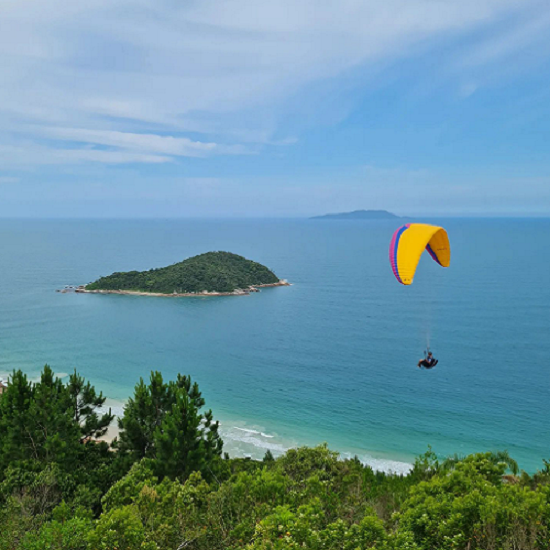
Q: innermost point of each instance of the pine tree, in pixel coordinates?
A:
(15, 440)
(187, 441)
(143, 415)
(54, 431)
(85, 402)
(47, 421)
(163, 421)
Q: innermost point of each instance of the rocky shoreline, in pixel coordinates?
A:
(237, 292)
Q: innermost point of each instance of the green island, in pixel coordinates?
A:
(214, 273)
(165, 483)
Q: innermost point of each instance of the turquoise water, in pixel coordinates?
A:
(331, 358)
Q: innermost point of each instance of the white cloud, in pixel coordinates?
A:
(129, 141)
(25, 156)
(124, 148)
(67, 156)
(125, 74)
(520, 35)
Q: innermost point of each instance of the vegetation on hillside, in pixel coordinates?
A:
(213, 271)
(165, 484)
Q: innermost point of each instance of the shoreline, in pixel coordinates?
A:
(247, 438)
(244, 438)
(236, 292)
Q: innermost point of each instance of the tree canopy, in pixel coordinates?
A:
(164, 485)
(163, 421)
(213, 271)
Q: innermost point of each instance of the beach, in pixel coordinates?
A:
(245, 439)
(204, 293)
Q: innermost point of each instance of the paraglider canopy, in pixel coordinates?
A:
(408, 243)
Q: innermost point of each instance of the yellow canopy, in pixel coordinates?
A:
(408, 243)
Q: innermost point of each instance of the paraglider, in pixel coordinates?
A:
(407, 245)
(429, 361)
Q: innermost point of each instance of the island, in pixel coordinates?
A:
(209, 274)
(359, 215)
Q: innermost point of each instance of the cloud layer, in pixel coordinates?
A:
(90, 89)
(137, 78)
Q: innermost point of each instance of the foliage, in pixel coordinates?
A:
(86, 401)
(473, 507)
(71, 534)
(162, 421)
(36, 421)
(47, 421)
(165, 486)
(47, 446)
(213, 271)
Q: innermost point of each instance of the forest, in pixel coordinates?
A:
(165, 483)
(212, 271)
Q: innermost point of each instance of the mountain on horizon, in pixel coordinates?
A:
(358, 215)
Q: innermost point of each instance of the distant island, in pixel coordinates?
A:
(358, 215)
(212, 274)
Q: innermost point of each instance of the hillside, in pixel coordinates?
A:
(165, 483)
(212, 271)
(358, 215)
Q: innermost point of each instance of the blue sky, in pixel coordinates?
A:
(258, 108)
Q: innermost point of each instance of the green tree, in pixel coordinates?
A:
(496, 458)
(187, 441)
(86, 402)
(15, 441)
(36, 421)
(143, 415)
(68, 534)
(47, 421)
(121, 529)
(163, 421)
(43, 454)
(471, 506)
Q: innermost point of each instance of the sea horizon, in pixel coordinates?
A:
(425, 216)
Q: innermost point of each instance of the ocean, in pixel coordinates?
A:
(331, 358)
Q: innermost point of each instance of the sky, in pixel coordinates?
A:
(230, 108)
